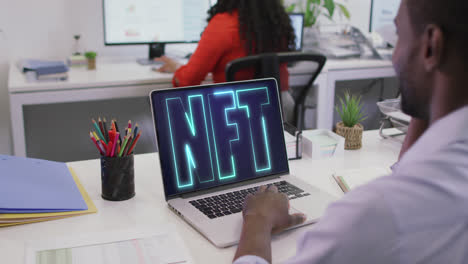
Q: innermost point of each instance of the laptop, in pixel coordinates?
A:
(220, 142)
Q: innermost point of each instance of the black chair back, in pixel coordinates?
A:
(268, 65)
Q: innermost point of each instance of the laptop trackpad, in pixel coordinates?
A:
(293, 210)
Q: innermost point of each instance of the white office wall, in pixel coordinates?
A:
(31, 29)
(87, 21)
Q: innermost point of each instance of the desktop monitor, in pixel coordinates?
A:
(154, 22)
(297, 22)
(383, 12)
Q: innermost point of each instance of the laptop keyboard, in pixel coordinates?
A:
(232, 202)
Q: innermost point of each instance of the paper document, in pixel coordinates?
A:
(36, 186)
(160, 248)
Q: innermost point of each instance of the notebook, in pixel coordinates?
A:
(350, 179)
(19, 219)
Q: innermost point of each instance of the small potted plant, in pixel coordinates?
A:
(351, 116)
(91, 57)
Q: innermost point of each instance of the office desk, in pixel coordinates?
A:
(117, 80)
(148, 207)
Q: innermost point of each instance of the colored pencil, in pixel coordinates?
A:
(129, 127)
(127, 146)
(102, 145)
(106, 134)
(135, 131)
(115, 143)
(98, 130)
(123, 146)
(117, 129)
(112, 135)
(130, 150)
(109, 148)
(95, 142)
(101, 126)
(95, 135)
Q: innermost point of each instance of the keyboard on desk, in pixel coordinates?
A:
(232, 202)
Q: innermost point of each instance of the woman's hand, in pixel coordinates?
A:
(169, 66)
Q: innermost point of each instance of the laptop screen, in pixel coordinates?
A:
(212, 135)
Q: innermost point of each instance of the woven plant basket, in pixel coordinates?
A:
(92, 64)
(352, 135)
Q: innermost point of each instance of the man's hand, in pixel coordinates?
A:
(272, 208)
(264, 213)
(169, 66)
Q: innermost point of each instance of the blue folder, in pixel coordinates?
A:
(42, 67)
(37, 186)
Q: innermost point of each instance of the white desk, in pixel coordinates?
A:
(148, 207)
(128, 79)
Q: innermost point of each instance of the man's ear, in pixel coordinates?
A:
(433, 47)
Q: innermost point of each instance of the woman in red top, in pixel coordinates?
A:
(236, 28)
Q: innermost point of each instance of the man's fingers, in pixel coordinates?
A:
(296, 219)
(262, 188)
(272, 188)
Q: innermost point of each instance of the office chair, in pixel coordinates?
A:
(268, 65)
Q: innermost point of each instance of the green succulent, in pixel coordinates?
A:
(350, 110)
(315, 8)
(90, 54)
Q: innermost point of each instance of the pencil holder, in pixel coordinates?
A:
(117, 178)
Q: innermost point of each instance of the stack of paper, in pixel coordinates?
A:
(33, 190)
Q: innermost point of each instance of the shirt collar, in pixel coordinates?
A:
(450, 129)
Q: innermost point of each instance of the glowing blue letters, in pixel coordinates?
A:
(207, 147)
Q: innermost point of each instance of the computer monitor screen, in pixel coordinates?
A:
(154, 21)
(383, 12)
(213, 135)
(297, 22)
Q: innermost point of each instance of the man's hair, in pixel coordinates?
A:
(264, 24)
(450, 15)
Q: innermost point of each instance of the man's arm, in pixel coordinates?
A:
(360, 228)
(264, 213)
(255, 239)
(416, 128)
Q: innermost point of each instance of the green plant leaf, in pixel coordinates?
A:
(344, 11)
(351, 109)
(330, 6)
(291, 8)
